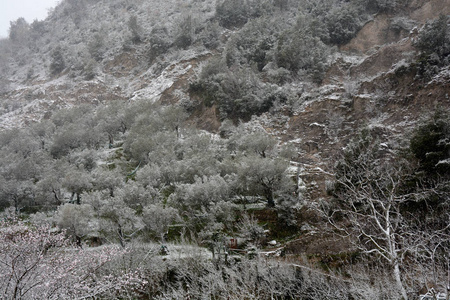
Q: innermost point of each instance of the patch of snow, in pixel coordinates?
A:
(366, 96)
(29, 113)
(272, 243)
(444, 162)
(334, 96)
(296, 141)
(154, 90)
(157, 86)
(349, 59)
(292, 170)
(306, 227)
(329, 89)
(185, 251)
(442, 77)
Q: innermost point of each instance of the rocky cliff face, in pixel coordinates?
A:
(372, 82)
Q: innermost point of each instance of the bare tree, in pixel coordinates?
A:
(39, 263)
(374, 199)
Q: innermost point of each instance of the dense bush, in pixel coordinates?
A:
(336, 22)
(434, 43)
(303, 54)
(236, 13)
(76, 9)
(238, 95)
(434, 37)
(343, 23)
(96, 46)
(232, 13)
(430, 144)
(387, 5)
(57, 64)
(186, 32)
(377, 6)
(268, 41)
(210, 35)
(159, 43)
(135, 29)
(253, 44)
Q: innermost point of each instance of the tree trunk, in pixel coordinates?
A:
(16, 291)
(447, 297)
(72, 197)
(78, 241)
(111, 140)
(58, 202)
(268, 193)
(398, 281)
(16, 204)
(121, 236)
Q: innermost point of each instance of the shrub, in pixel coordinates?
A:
(76, 9)
(135, 29)
(238, 95)
(430, 144)
(212, 68)
(210, 35)
(253, 44)
(281, 4)
(57, 64)
(300, 51)
(343, 23)
(232, 13)
(159, 43)
(435, 37)
(96, 46)
(279, 76)
(89, 70)
(376, 6)
(434, 43)
(185, 36)
(386, 5)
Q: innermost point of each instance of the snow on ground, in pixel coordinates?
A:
(29, 113)
(348, 58)
(176, 251)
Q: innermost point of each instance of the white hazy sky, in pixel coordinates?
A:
(11, 10)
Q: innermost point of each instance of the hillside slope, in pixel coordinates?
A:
(370, 80)
(136, 121)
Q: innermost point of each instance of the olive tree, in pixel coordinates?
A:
(77, 220)
(158, 218)
(265, 177)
